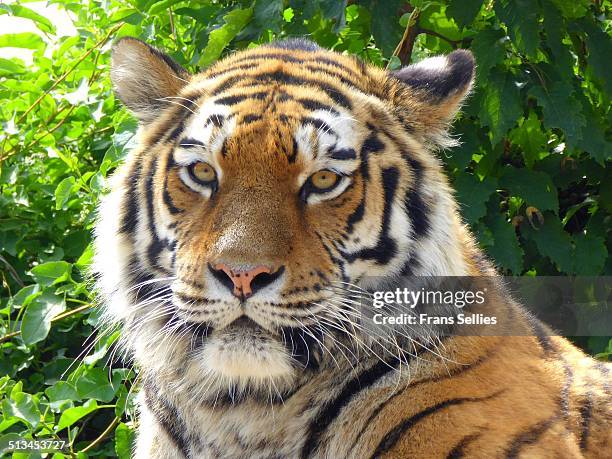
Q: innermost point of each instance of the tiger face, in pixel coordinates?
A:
(263, 191)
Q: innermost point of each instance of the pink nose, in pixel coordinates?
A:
(242, 278)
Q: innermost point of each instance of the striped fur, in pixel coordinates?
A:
(291, 372)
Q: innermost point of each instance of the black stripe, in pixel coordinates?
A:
(586, 412)
(224, 148)
(332, 409)
(343, 154)
(458, 450)
(146, 289)
(129, 219)
(233, 100)
(357, 215)
(190, 300)
(251, 118)
(412, 264)
(216, 120)
(232, 68)
(316, 69)
(418, 210)
(292, 156)
(189, 142)
(312, 104)
(528, 437)
(303, 345)
(540, 333)
(176, 132)
(335, 261)
(157, 244)
(316, 59)
(333, 74)
(168, 417)
(288, 79)
(395, 434)
(319, 125)
(386, 247)
(371, 145)
(177, 120)
(170, 163)
(451, 374)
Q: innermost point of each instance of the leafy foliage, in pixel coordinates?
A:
(532, 173)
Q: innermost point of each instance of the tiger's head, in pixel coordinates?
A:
(261, 193)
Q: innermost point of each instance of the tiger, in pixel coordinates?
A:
(265, 198)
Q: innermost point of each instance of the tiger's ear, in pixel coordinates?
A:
(144, 76)
(432, 91)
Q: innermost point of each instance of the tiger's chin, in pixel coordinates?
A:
(247, 358)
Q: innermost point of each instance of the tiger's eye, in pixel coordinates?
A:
(203, 172)
(324, 179)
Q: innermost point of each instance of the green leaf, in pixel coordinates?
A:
(36, 321)
(163, 5)
(561, 110)
(60, 391)
(530, 138)
(599, 48)
(553, 242)
(72, 415)
(572, 9)
(336, 10)
(42, 22)
(534, 187)
(489, 50)
(11, 66)
(84, 261)
(22, 406)
(25, 296)
(52, 272)
(64, 191)
(95, 384)
(554, 25)
(26, 40)
(473, 194)
(268, 14)
(464, 11)
(593, 138)
(521, 18)
(500, 109)
(590, 255)
(124, 441)
(385, 26)
(506, 250)
(235, 21)
(5, 442)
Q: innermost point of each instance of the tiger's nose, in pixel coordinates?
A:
(244, 282)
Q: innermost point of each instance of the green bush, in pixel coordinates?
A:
(532, 172)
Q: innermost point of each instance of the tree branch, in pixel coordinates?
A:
(404, 48)
(102, 436)
(433, 33)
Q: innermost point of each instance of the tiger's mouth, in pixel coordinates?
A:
(255, 344)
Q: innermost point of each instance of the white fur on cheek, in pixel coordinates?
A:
(112, 250)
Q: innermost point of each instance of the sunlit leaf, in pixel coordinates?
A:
(27, 40)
